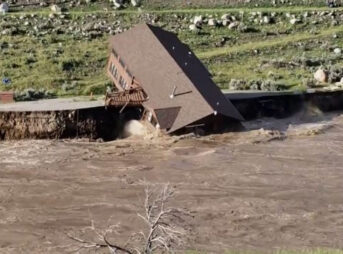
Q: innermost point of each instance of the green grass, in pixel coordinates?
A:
(95, 10)
(240, 61)
(69, 65)
(51, 64)
(280, 41)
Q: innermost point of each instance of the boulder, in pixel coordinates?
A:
(4, 8)
(226, 22)
(334, 23)
(242, 28)
(226, 17)
(337, 51)
(118, 3)
(212, 22)
(194, 28)
(294, 21)
(233, 25)
(339, 83)
(135, 3)
(55, 8)
(6, 31)
(321, 76)
(266, 20)
(198, 20)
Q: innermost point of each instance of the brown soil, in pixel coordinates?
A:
(260, 189)
(90, 123)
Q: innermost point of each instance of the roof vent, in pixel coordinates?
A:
(172, 95)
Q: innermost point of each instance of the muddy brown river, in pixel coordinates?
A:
(263, 189)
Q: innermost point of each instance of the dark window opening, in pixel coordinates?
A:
(115, 73)
(114, 53)
(122, 82)
(114, 70)
(121, 62)
(129, 73)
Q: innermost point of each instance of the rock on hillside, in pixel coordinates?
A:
(321, 76)
(4, 8)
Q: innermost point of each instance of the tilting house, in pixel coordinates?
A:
(153, 68)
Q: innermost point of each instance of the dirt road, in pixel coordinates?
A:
(251, 190)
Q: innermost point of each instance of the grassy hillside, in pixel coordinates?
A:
(270, 47)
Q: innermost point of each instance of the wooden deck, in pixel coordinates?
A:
(133, 97)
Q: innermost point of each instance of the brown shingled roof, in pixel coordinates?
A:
(163, 65)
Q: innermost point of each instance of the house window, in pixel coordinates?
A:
(122, 82)
(125, 84)
(113, 70)
(116, 73)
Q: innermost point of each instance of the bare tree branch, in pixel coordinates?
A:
(103, 238)
(162, 234)
(164, 229)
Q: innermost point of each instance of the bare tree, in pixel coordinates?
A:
(165, 226)
(101, 240)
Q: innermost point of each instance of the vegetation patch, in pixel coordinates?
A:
(260, 45)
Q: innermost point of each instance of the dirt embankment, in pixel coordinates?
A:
(85, 123)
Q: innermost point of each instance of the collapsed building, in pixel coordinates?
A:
(152, 68)
(156, 75)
